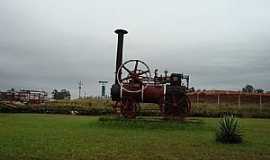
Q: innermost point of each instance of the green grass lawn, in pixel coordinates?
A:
(64, 137)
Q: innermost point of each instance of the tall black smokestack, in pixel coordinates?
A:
(119, 57)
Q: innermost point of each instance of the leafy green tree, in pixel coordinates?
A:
(248, 88)
(259, 90)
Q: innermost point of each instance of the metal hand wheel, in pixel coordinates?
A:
(136, 76)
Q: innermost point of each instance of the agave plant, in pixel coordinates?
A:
(228, 130)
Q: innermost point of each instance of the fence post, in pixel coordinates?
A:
(218, 99)
(260, 102)
(197, 99)
(239, 100)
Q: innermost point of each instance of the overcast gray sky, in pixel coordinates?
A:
(46, 44)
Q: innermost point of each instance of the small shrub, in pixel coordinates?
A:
(228, 130)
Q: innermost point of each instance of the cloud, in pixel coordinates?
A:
(54, 44)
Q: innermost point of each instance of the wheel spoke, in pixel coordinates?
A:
(136, 66)
(143, 72)
(127, 69)
(144, 78)
(126, 78)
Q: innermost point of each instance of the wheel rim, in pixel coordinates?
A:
(140, 74)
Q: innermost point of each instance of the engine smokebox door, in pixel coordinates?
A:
(115, 92)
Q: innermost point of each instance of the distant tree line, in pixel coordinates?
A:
(62, 94)
(250, 89)
(247, 89)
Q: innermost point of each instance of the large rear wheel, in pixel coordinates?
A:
(129, 109)
(176, 106)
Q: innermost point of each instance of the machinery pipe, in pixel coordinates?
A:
(119, 57)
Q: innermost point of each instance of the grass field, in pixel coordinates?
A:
(43, 136)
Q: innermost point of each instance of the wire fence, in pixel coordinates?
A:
(240, 99)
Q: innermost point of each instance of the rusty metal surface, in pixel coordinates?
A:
(134, 85)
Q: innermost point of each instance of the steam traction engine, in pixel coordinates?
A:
(134, 85)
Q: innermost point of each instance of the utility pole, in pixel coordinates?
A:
(80, 88)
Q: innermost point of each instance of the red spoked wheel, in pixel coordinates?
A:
(136, 75)
(129, 109)
(177, 106)
(116, 105)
